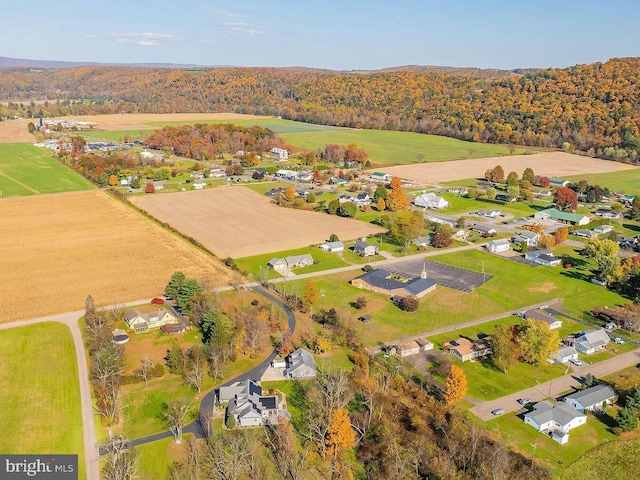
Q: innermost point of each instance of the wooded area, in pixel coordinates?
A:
(591, 108)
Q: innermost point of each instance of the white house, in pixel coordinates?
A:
(198, 185)
(332, 247)
(422, 242)
(531, 239)
(553, 322)
(292, 261)
(497, 246)
(279, 154)
(592, 398)
(555, 418)
(365, 249)
(430, 200)
(603, 229)
(143, 322)
(249, 407)
(543, 257)
(565, 354)
(300, 364)
(592, 341)
(411, 347)
(381, 177)
(492, 213)
(288, 174)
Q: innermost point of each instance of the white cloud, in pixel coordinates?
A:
(221, 12)
(144, 39)
(241, 27)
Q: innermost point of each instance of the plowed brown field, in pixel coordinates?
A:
(57, 249)
(238, 222)
(550, 164)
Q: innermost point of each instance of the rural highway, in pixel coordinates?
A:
(70, 319)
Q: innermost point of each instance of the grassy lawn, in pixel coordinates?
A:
(397, 148)
(117, 135)
(615, 460)
(29, 170)
(514, 286)
(627, 181)
(326, 261)
(156, 457)
(40, 401)
(515, 432)
(459, 204)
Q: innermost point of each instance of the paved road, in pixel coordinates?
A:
(556, 386)
(70, 319)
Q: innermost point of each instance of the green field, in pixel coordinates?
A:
(117, 135)
(278, 125)
(40, 400)
(627, 181)
(612, 461)
(29, 170)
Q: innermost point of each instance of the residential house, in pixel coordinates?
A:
(287, 174)
(530, 239)
(592, 341)
(422, 242)
(498, 246)
(430, 200)
(161, 185)
(584, 233)
(249, 407)
(558, 182)
(292, 261)
(553, 322)
(365, 249)
(543, 257)
(332, 247)
(592, 399)
(381, 177)
(143, 322)
(485, 231)
(360, 200)
(489, 213)
(555, 419)
(198, 185)
(542, 193)
(382, 281)
(440, 221)
(304, 176)
(562, 217)
(607, 213)
(279, 154)
(464, 349)
(603, 229)
(300, 364)
(565, 354)
(411, 347)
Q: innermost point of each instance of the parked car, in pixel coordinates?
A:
(576, 362)
(524, 401)
(497, 411)
(619, 341)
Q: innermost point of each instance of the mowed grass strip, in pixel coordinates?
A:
(28, 170)
(613, 461)
(397, 148)
(40, 401)
(627, 181)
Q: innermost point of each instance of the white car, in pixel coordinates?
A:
(619, 341)
(576, 362)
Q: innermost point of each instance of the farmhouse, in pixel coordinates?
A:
(365, 249)
(592, 341)
(249, 407)
(530, 239)
(292, 261)
(143, 322)
(484, 231)
(553, 322)
(562, 217)
(592, 398)
(555, 419)
(543, 257)
(300, 364)
(430, 200)
(279, 154)
(411, 347)
(332, 247)
(498, 246)
(382, 281)
(464, 349)
(565, 354)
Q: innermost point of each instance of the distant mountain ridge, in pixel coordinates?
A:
(8, 62)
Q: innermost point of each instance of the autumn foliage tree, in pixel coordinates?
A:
(455, 387)
(396, 200)
(150, 188)
(566, 199)
(340, 435)
(289, 194)
(561, 234)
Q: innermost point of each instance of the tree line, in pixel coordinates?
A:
(589, 108)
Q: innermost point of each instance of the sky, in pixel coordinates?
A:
(333, 34)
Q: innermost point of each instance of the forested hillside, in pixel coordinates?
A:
(592, 108)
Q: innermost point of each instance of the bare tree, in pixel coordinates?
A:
(98, 331)
(145, 368)
(117, 312)
(108, 403)
(228, 457)
(176, 416)
(120, 461)
(193, 375)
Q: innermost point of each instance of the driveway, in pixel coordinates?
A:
(555, 387)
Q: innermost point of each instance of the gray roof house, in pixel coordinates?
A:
(529, 238)
(365, 249)
(430, 200)
(300, 364)
(592, 341)
(382, 281)
(332, 247)
(543, 257)
(553, 322)
(565, 354)
(592, 398)
(143, 322)
(291, 261)
(422, 241)
(249, 406)
(555, 418)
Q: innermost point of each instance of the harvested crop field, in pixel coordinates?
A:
(15, 131)
(57, 249)
(550, 164)
(238, 222)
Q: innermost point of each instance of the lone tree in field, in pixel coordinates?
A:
(455, 387)
(176, 417)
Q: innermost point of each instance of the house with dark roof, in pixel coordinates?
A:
(553, 322)
(555, 419)
(300, 364)
(485, 231)
(365, 249)
(383, 281)
(592, 341)
(543, 257)
(593, 398)
(249, 407)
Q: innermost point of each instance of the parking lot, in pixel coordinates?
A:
(445, 275)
